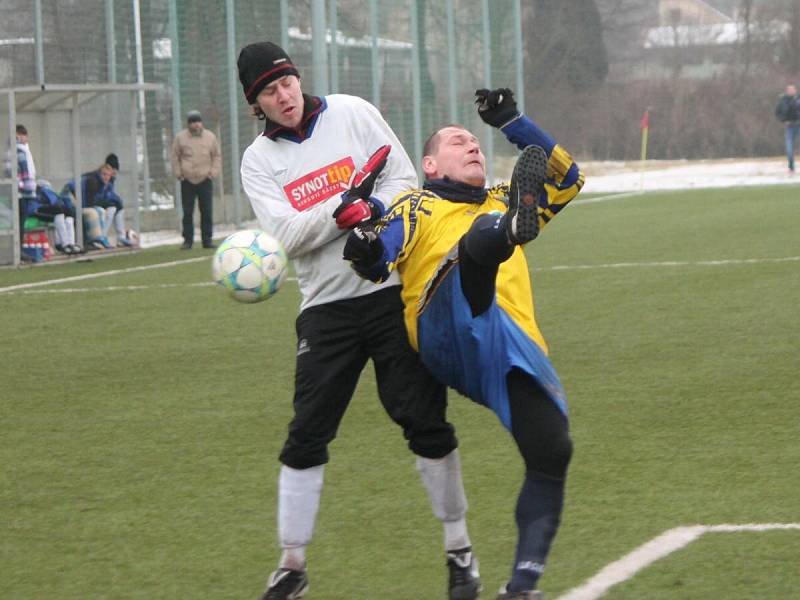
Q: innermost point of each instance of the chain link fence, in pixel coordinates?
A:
(710, 73)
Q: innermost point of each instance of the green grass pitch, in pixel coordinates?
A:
(142, 415)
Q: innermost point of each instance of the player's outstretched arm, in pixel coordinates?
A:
(564, 179)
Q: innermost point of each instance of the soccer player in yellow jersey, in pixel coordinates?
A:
(469, 303)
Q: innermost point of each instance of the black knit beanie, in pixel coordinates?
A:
(259, 65)
(112, 160)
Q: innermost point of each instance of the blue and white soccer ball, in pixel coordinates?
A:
(251, 265)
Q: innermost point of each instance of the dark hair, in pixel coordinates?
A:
(22, 130)
(432, 143)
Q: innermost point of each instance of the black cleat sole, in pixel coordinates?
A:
(527, 182)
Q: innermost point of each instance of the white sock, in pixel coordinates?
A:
(69, 233)
(119, 224)
(108, 218)
(61, 228)
(299, 492)
(442, 480)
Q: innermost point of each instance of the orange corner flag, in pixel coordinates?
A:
(645, 130)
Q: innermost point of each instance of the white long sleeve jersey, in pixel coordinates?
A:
(295, 187)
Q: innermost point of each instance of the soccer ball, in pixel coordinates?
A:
(251, 265)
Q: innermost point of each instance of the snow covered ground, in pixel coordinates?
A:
(619, 177)
(609, 177)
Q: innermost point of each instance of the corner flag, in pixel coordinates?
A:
(645, 130)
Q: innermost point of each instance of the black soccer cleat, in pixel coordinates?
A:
(286, 584)
(528, 595)
(527, 182)
(465, 580)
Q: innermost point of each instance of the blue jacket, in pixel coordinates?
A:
(93, 190)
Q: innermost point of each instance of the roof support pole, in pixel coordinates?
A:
(75, 126)
(135, 174)
(15, 217)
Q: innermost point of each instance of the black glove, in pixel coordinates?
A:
(496, 107)
(363, 246)
(357, 206)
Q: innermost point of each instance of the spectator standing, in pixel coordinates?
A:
(196, 160)
(788, 113)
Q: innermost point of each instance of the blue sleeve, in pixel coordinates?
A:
(392, 237)
(523, 132)
(85, 191)
(111, 194)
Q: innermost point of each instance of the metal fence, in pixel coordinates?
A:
(586, 69)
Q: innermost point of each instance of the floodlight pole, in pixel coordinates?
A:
(285, 25)
(319, 48)
(333, 18)
(416, 87)
(487, 76)
(175, 81)
(230, 27)
(137, 29)
(374, 67)
(519, 92)
(451, 63)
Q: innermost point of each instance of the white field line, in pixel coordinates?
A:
(670, 263)
(608, 197)
(663, 545)
(26, 287)
(23, 286)
(119, 288)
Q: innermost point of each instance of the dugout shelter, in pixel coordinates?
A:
(72, 128)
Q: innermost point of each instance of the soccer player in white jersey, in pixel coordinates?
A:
(297, 176)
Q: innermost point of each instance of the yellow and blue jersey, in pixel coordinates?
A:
(421, 229)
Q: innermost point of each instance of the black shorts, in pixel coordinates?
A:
(334, 342)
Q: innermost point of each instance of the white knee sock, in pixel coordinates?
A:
(299, 492)
(110, 211)
(442, 480)
(69, 233)
(119, 224)
(61, 230)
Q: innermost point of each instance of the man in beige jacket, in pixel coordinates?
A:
(196, 160)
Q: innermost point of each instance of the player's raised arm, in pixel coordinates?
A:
(564, 178)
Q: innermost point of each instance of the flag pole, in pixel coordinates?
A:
(645, 125)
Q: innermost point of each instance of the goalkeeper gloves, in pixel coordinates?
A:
(357, 204)
(363, 246)
(496, 107)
